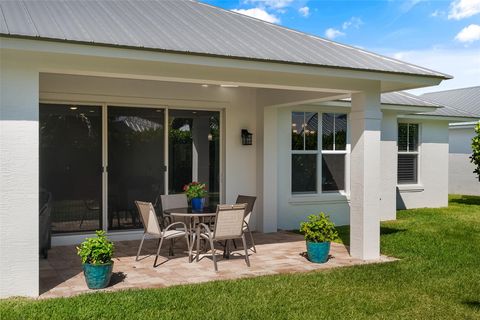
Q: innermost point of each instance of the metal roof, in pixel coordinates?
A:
(401, 98)
(186, 26)
(406, 99)
(464, 101)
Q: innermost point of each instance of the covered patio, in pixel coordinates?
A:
(280, 252)
(258, 86)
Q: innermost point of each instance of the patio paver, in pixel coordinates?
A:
(281, 252)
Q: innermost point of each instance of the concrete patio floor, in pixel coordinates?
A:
(281, 252)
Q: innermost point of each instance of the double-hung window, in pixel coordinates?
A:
(334, 149)
(318, 161)
(407, 172)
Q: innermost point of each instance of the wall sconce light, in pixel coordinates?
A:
(246, 137)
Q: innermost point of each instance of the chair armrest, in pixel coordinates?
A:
(176, 223)
(204, 226)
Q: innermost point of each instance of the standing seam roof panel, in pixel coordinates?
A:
(187, 26)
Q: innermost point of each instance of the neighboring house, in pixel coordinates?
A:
(462, 180)
(104, 102)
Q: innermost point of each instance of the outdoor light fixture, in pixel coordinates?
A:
(246, 137)
(205, 85)
(73, 108)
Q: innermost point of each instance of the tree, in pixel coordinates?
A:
(475, 157)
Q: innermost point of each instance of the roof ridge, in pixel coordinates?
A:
(327, 40)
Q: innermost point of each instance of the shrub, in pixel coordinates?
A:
(96, 250)
(475, 157)
(319, 228)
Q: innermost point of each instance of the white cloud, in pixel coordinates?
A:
(332, 33)
(276, 4)
(469, 34)
(304, 11)
(259, 14)
(354, 22)
(463, 64)
(460, 9)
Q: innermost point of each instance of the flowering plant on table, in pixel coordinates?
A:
(195, 190)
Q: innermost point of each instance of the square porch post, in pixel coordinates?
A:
(365, 169)
(19, 243)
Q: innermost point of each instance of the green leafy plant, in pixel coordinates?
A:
(475, 157)
(319, 228)
(195, 190)
(96, 250)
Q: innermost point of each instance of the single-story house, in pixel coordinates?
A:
(461, 178)
(105, 102)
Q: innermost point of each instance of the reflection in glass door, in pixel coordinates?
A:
(136, 169)
(71, 165)
(194, 151)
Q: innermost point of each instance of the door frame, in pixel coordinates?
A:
(118, 235)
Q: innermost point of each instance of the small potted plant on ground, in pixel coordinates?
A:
(319, 231)
(196, 193)
(96, 254)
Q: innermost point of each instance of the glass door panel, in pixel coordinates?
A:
(71, 165)
(194, 151)
(136, 169)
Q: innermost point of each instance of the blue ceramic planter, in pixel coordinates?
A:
(97, 276)
(318, 251)
(197, 204)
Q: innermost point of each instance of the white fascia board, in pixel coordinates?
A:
(395, 81)
(463, 125)
(440, 118)
(398, 108)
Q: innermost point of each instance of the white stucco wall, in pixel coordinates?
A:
(18, 179)
(388, 203)
(432, 188)
(462, 180)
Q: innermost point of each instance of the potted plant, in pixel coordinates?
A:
(196, 193)
(96, 254)
(319, 231)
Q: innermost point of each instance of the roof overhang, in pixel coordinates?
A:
(400, 109)
(433, 117)
(247, 72)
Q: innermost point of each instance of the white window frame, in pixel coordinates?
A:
(319, 152)
(408, 152)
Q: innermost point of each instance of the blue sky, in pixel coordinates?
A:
(441, 34)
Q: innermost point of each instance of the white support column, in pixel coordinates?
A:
(365, 174)
(19, 251)
(388, 203)
(270, 169)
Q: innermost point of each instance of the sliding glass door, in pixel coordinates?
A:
(97, 160)
(71, 165)
(194, 151)
(136, 169)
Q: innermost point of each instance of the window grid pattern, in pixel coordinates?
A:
(311, 164)
(408, 142)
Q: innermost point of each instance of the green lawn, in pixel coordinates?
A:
(438, 277)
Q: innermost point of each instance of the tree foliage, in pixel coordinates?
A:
(475, 157)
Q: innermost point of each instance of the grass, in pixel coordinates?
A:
(438, 277)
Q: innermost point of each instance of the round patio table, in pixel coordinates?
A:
(192, 218)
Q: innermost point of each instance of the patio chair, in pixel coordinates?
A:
(228, 225)
(250, 201)
(152, 228)
(171, 201)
